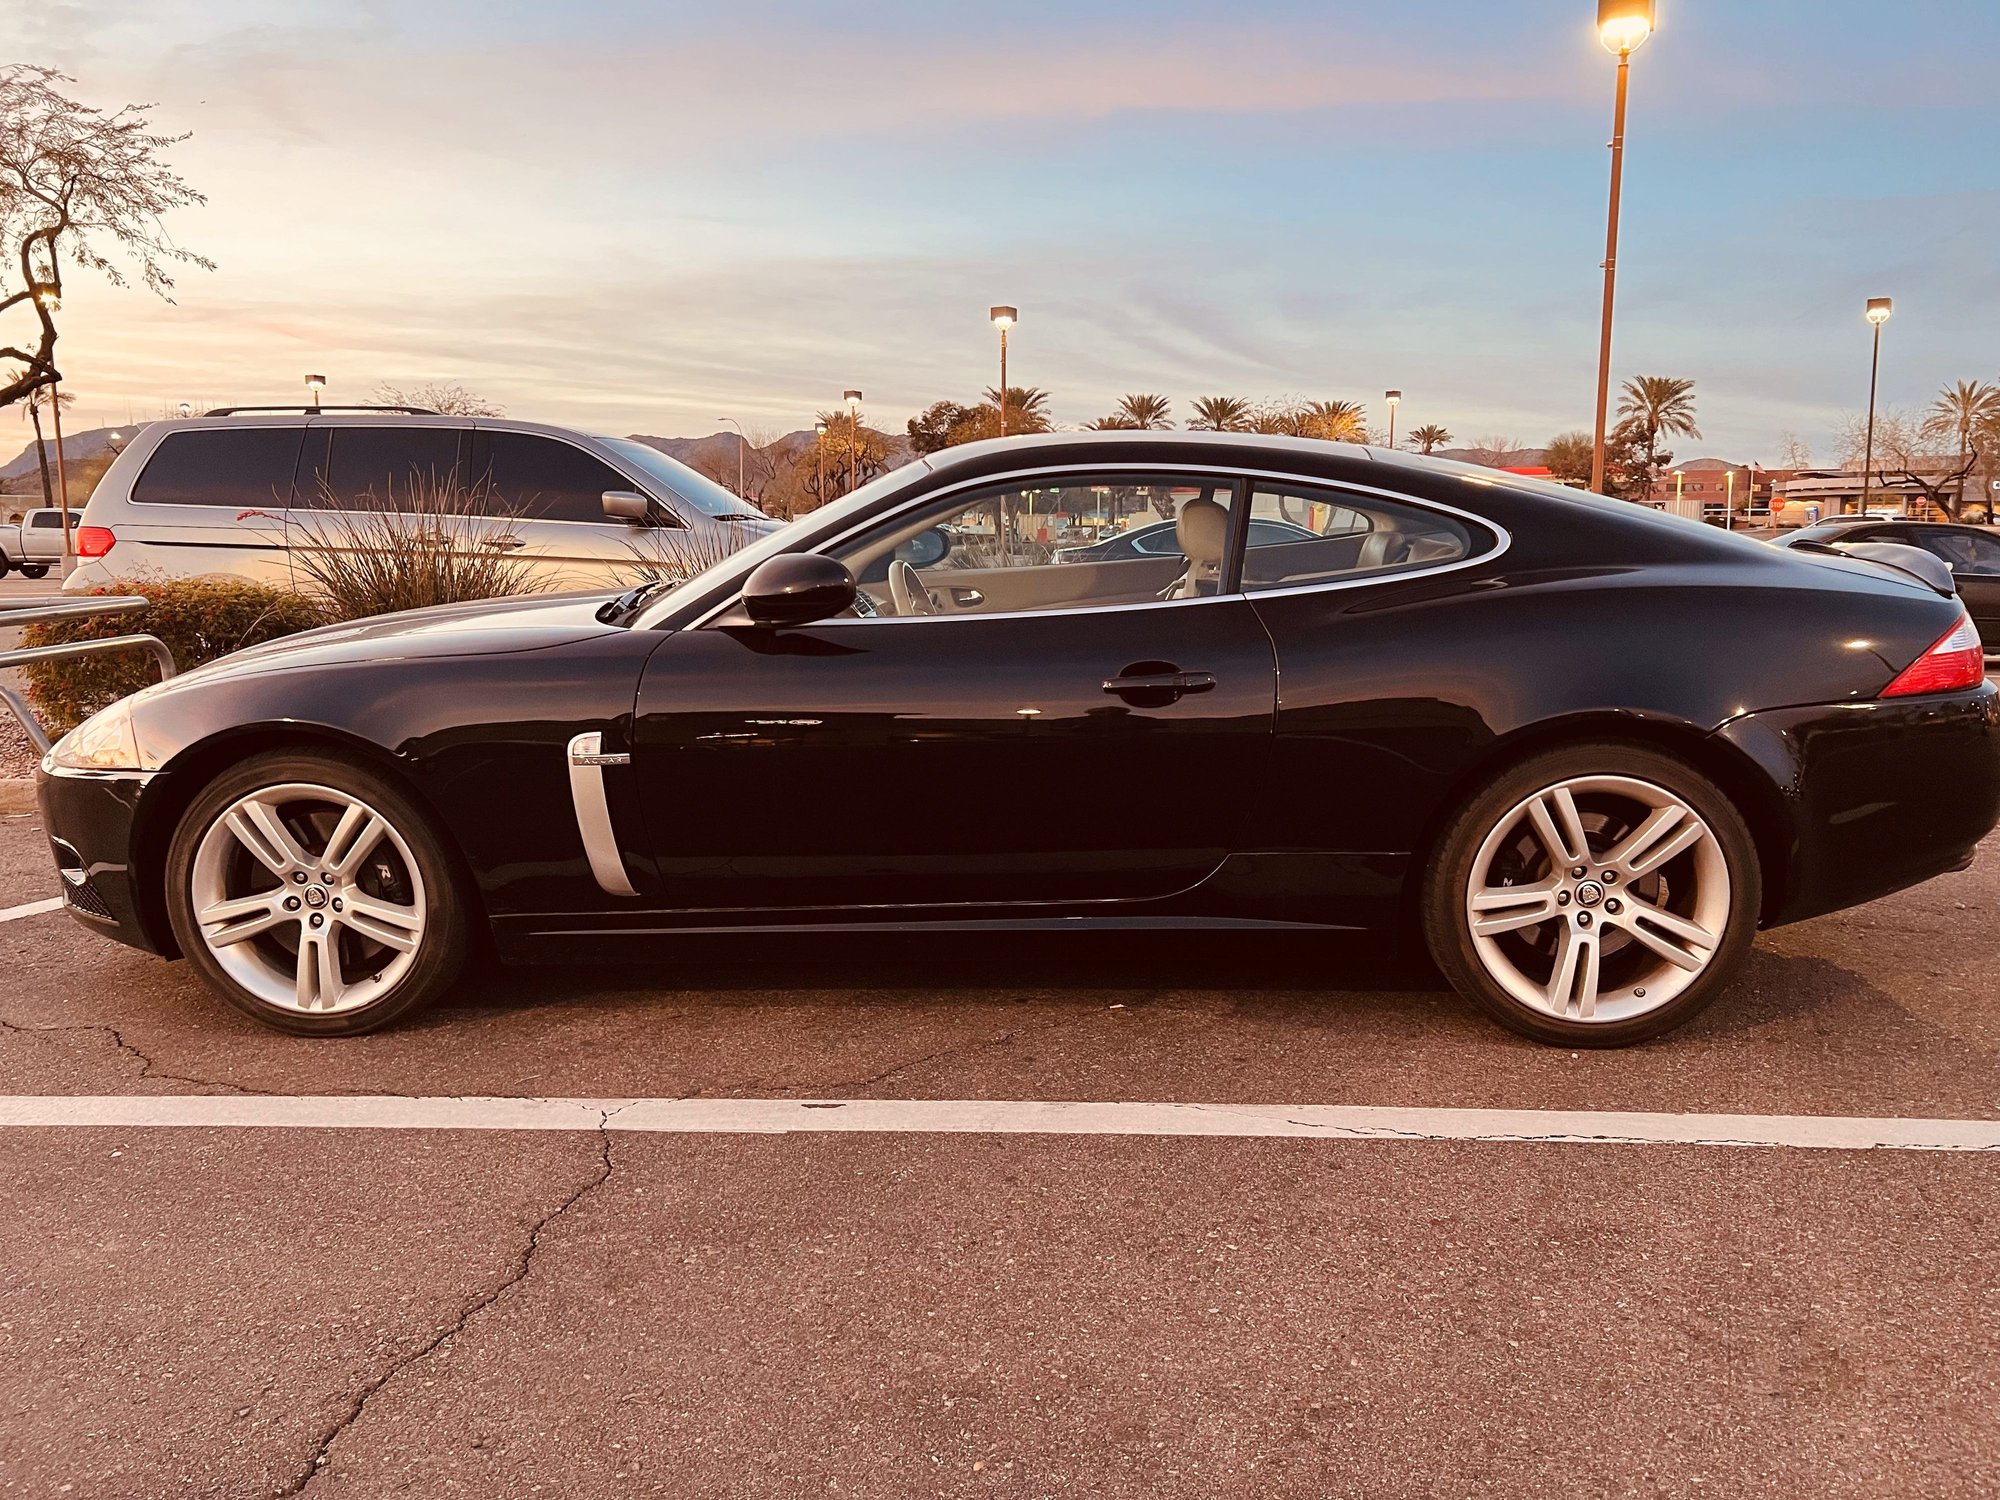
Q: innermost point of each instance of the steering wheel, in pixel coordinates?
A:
(908, 591)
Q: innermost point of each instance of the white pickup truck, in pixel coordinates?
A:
(35, 543)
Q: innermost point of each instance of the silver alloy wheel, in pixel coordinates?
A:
(1598, 899)
(308, 898)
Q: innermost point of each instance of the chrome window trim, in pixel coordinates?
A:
(1503, 540)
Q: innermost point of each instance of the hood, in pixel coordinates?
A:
(483, 627)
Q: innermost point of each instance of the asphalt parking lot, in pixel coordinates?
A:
(251, 1311)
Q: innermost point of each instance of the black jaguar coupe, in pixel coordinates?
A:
(1585, 749)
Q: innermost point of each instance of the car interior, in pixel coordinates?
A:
(994, 552)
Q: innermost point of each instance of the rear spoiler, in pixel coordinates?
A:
(1912, 562)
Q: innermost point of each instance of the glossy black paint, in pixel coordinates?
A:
(1971, 552)
(974, 770)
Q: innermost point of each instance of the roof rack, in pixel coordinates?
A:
(408, 411)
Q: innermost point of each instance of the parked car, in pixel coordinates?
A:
(235, 492)
(1516, 716)
(34, 544)
(1972, 553)
(1159, 540)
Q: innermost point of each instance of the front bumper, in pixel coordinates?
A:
(90, 818)
(1876, 795)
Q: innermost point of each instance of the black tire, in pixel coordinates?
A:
(450, 921)
(34, 570)
(1447, 926)
(6, 566)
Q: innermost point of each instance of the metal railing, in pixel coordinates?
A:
(50, 608)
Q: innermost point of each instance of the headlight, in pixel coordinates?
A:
(103, 742)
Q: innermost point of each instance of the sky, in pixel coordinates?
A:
(645, 215)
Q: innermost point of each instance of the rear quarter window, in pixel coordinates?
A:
(244, 467)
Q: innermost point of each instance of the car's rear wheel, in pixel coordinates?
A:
(315, 895)
(34, 570)
(1594, 896)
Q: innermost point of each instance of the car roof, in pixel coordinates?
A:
(376, 419)
(1236, 443)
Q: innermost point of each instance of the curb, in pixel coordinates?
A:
(17, 794)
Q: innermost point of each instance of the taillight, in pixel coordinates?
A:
(1954, 663)
(94, 541)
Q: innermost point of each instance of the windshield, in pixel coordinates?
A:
(828, 520)
(678, 480)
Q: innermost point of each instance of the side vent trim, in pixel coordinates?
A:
(587, 760)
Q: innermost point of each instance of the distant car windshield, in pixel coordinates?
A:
(703, 493)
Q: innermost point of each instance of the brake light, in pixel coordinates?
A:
(1954, 663)
(94, 541)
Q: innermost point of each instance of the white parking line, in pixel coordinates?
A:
(32, 909)
(1324, 1122)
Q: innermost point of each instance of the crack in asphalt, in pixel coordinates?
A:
(146, 1066)
(323, 1452)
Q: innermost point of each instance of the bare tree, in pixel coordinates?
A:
(72, 178)
(1792, 451)
(1495, 451)
(446, 398)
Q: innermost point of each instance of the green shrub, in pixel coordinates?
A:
(200, 618)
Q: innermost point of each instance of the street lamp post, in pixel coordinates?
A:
(1004, 318)
(1395, 399)
(1623, 26)
(741, 443)
(853, 400)
(1879, 309)
(315, 384)
(1729, 501)
(1678, 478)
(819, 453)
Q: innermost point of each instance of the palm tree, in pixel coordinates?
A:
(1334, 421)
(1653, 407)
(1962, 409)
(39, 399)
(1428, 438)
(1220, 414)
(1146, 413)
(1027, 408)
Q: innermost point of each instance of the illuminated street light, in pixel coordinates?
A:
(187, 408)
(1623, 26)
(1004, 318)
(853, 400)
(315, 384)
(819, 452)
(1395, 399)
(1879, 309)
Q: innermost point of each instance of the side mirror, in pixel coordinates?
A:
(797, 589)
(625, 505)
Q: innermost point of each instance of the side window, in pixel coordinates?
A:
(388, 468)
(1011, 549)
(51, 520)
(542, 479)
(244, 468)
(1964, 551)
(1303, 536)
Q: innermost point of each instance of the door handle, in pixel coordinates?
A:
(967, 596)
(502, 543)
(1169, 685)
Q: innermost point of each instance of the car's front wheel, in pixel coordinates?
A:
(315, 895)
(1594, 896)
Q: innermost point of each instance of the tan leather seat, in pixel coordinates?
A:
(1202, 532)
